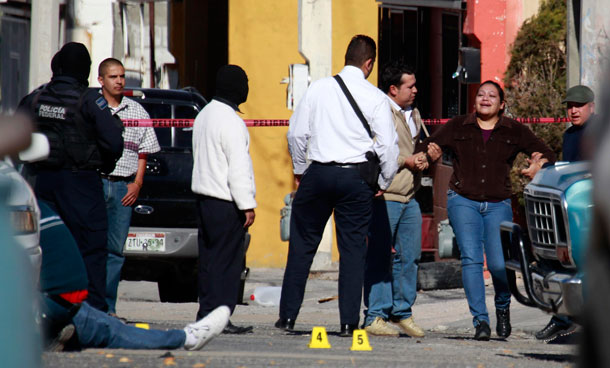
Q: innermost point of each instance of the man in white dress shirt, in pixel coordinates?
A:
(327, 142)
(223, 181)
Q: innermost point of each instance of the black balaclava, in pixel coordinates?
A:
(55, 65)
(231, 85)
(72, 60)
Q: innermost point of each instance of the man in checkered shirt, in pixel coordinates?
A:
(122, 186)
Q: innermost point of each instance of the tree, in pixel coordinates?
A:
(535, 79)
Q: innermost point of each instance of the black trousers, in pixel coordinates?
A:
(322, 190)
(221, 253)
(78, 198)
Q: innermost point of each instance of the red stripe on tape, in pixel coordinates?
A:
(187, 123)
(268, 123)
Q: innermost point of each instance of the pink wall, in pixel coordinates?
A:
(492, 25)
(485, 23)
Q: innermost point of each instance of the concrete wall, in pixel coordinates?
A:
(263, 39)
(44, 40)
(93, 27)
(594, 43)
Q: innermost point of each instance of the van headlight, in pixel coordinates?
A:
(23, 219)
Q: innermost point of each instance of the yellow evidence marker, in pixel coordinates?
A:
(143, 325)
(360, 341)
(319, 340)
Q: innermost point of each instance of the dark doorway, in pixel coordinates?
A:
(407, 33)
(199, 41)
(451, 85)
(403, 36)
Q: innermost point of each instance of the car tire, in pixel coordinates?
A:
(176, 289)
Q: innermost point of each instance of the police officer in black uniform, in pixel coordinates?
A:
(84, 138)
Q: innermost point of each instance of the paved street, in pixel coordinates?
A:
(442, 313)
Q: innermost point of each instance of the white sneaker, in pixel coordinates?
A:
(203, 331)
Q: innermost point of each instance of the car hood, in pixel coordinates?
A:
(562, 175)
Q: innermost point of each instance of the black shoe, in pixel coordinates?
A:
(236, 330)
(347, 330)
(503, 328)
(285, 324)
(482, 332)
(554, 329)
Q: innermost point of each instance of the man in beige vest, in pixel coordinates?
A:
(395, 231)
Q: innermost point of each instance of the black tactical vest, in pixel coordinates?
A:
(71, 139)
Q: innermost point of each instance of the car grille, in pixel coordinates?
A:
(545, 220)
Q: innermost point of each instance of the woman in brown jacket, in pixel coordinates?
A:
(484, 145)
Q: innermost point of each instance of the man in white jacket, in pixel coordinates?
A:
(223, 181)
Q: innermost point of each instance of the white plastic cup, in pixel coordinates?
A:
(267, 296)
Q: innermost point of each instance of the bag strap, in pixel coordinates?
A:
(352, 102)
(423, 126)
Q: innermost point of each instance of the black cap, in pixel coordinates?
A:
(232, 84)
(579, 94)
(72, 60)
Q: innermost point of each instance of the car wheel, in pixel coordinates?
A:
(176, 289)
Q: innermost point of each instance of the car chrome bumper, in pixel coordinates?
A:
(35, 255)
(557, 293)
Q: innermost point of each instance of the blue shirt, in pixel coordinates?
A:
(572, 141)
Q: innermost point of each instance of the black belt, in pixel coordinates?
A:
(71, 307)
(118, 178)
(337, 164)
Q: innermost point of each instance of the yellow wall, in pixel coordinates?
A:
(263, 39)
(352, 17)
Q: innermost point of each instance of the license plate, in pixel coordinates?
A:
(147, 242)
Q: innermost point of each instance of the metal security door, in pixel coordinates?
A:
(14, 61)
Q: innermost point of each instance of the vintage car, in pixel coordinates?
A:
(549, 254)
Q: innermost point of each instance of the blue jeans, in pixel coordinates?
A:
(477, 229)
(97, 329)
(119, 217)
(390, 282)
